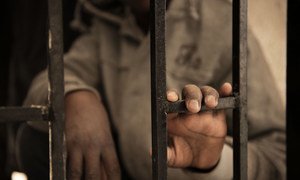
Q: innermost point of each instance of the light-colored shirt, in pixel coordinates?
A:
(115, 55)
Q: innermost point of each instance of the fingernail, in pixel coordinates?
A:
(210, 100)
(150, 152)
(172, 96)
(168, 154)
(194, 104)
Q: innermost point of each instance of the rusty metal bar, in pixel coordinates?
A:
(239, 67)
(56, 93)
(224, 103)
(158, 89)
(23, 114)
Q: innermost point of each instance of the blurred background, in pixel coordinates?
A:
(23, 53)
(267, 20)
(23, 28)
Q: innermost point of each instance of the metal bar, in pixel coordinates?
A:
(239, 66)
(56, 93)
(22, 114)
(292, 90)
(158, 89)
(224, 103)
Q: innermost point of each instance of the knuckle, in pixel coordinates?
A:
(71, 140)
(209, 90)
(190, 88)
(92, 175)
(93, 144)
(75, 173)
(173, 91)
(108, 143)
(214, 91)
(191, 91)
(114, 169)
(99, 142)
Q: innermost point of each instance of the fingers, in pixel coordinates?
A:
(179, 154)
(193, 97)
(103, 172)
(171, 156)
(172, 95)
(92, 165)
(75, 164)
(95, 168)
(211, 96)
(111, 163)
(226, 89)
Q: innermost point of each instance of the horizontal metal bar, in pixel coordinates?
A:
(224, 103)
(22, 114)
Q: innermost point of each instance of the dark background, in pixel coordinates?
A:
(293, 90)
(23, 55)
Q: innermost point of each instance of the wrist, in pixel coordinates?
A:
(81, 100)
(81, 96)
(202, 170)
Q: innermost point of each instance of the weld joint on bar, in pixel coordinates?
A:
(44, 111)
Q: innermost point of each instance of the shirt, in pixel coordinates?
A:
(115, 55)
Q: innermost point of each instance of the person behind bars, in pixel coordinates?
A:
(108, 70)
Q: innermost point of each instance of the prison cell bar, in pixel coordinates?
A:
(239, 79)
(23, 114)
(160, 106)
(158, 89)
(54, 112)
(56, 94)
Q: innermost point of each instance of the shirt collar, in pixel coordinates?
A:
(129, 28)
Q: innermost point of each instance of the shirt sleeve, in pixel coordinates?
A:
(81, 70)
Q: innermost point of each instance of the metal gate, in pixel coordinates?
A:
(54, 111)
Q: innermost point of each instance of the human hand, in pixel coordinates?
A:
(90, 146)
(196, 138)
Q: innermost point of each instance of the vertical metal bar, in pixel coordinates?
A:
(158, 89)
(56, 94)
(292, 89)
(240, 126)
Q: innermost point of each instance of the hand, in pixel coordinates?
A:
(196, 138)
(90, 146)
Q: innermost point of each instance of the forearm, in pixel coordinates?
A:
(38, 93)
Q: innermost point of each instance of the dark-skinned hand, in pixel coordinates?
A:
(90, 147)
(196, 139)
